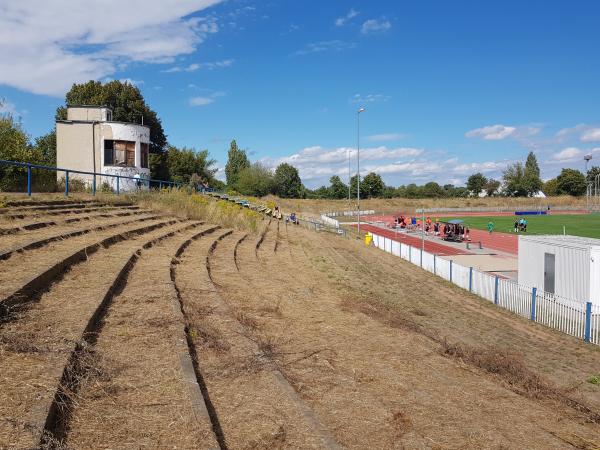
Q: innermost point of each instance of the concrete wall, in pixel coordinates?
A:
(88, 114)
(76, 143)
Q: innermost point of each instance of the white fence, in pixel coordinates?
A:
(329, 221)
(366, 212)
(573, 317)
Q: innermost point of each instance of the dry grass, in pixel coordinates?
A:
(408, 205)
(195, 206)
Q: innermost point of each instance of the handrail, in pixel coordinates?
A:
(30, 166)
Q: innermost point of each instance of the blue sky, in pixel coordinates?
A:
(449, 87)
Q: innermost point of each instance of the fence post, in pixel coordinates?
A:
(29, 180)
(94, 186)
(160, 185)
(67, 183)
(450, 271)
(470, 279)
(434, 264)
(421, 258)
(410, 253)
(533, 303)
(497, 283)
(118, 185)
(588, 322)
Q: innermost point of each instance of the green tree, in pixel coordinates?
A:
(45, 148)
(236, 162)
(491, 187)
(184, 163)
(592, 174)
(571, 182)
(372, 185)
(14, 146)
(124, 99)
(287, 181)
(255, 180)
(550, 187)
(514, 180)
(433, 190)
(475, 183)
(413, 191)
(531, 175)
(337, 189)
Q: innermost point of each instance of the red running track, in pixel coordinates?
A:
(504, 242)
(431, 247)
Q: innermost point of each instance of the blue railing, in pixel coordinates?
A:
(146, 181)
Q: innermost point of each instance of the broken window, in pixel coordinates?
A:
(144, 155)
(119, 153)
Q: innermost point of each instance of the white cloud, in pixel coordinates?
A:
(205, 100)
(568, 154)
(197, 66)
(492, 132)
(375, 26)
(325, 46)
(591, 135)
(341, 21)
(370, 98)
(386, 137)
(48, 45)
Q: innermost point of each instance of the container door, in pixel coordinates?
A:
(549, 272)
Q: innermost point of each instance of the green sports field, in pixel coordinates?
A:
(587, 225)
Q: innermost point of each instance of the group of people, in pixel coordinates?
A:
(446, 230)
(520, 225)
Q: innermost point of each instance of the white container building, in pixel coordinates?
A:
(568, 266)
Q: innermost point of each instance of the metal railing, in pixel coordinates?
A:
(147, 182)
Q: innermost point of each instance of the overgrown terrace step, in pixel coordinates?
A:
(29, 226)
(35, 207)
(250, 395)
(25, 276)
(33, 202)
(39, 238)
(42, 213)
(136, 323)
(37, 347)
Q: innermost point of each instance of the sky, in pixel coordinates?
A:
(449, 87)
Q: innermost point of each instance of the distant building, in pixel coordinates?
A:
(90, 141)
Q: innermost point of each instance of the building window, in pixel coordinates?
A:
(144, 155)
(119, 153)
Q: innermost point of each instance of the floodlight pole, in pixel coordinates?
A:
(349, 179)
(358, 165)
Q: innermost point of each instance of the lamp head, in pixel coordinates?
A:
(361, 110)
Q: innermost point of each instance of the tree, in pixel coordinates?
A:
(254, 180)
(592, 174)
(236, 162)
(514, 180)
(531, 175)
(184, 163)
(433, 190)
(14, 146)
(337, 188)
(491, 187)
(45, 148)
(475, 183)
(372, 185)
(287, 181)
(571, 182)
(126, 102)
(550, 187)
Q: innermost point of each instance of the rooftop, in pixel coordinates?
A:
(562, 240)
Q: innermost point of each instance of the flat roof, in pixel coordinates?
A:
(563, 240)
(103, 121)
(90, 106)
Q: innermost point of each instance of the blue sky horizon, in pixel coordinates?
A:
(450, 88)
